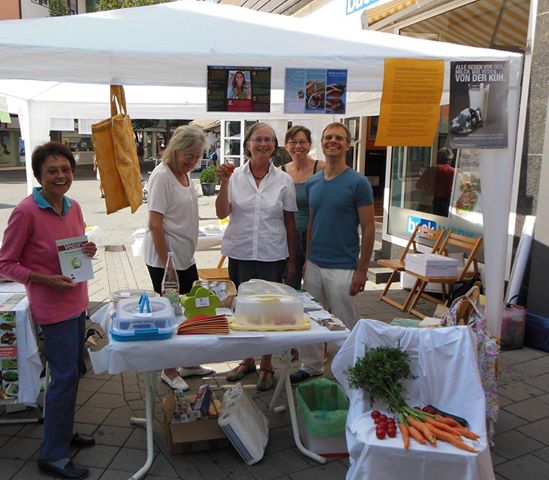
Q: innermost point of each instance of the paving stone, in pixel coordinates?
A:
(185, 467)
(112, 386)
(277, 464)
(114, 436)
(85, 428)
(119, 417)
(205, 465)
(538, 430)
(83, 396)
(519, 391)
(330, 471)
(279, 439)
(496, 459)
(138, 439)
(230, 462)
(129, 460)
(9, 466)
(528, 467)
(111, 474)
(543, 398)
(20, 448)
(513, 444)
(131, 395)
(508, 421)
(129, 378)
(543, 454)
(532, 368)
(33, 430)
(136, 404)
(93, 415)
(132, 388)
(105, 400)
(162, 468)
(90, 384)
(522, 355)
(531, 409)
(10, 429)
(98, 456)
(541, 382)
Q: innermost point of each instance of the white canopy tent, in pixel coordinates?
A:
(61, 68)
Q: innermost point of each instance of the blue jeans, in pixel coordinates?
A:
(63, 349)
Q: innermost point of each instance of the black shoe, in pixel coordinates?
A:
(70, 471)
(301, 376)
(82, 441)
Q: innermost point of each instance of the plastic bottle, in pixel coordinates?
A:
(170, 284)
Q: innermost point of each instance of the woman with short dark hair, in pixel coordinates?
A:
(29, 256)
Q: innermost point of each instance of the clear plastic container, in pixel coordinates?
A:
(131, 323)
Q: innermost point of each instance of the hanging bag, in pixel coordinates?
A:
(116, 154)
(487, 351)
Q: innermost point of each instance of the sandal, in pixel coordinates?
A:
(238, 373)
(267, 382)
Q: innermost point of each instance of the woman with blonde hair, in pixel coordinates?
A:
(173, 224)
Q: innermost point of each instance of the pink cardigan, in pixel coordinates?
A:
(29, 245)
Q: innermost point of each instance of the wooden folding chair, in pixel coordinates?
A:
(421, 232)
(470, 247)
(218, 273)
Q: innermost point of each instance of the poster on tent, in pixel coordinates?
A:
(410, 102)
(478, 104)
(315, 90)
(239, 89)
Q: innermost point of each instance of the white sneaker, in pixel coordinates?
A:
(177, 383)
(194, 372)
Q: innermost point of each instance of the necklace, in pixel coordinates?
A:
(258, 178)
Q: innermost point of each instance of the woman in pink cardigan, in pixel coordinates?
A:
(29, 256)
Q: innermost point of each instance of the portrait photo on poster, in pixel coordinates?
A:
(239, 85)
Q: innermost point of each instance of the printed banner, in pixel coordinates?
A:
(9, 384)
(239, 89)
(478, 104)
(466, 199)
(315, 91)
(410, 102)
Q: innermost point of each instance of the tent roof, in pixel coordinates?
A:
(170, 44)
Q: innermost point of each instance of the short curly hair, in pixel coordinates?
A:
(50, 149)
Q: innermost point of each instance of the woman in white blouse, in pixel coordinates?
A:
(260, 238)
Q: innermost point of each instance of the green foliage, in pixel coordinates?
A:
(381, 372)
(208, 175)
(115, 4)
(58, 8)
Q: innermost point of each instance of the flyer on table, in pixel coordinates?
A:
(410, 102)
(478, 104)
(239, 89)
(315, 90)
(72, 259)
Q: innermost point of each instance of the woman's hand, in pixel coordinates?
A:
(57, 282)
(89, 249)
(224, 172)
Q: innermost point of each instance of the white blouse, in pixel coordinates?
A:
(256, 229)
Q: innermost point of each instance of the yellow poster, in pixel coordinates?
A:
(410, 102)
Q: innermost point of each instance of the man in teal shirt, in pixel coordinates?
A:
(340, 202)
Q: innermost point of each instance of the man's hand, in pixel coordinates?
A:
(289, 271)
(357, 283)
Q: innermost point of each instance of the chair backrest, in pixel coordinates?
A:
(470, 246)
(423, 232)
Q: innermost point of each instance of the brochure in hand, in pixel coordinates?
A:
(73, 261)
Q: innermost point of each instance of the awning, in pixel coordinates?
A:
(206, 124)
(376, 14)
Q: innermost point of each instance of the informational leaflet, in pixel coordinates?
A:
(466, 201)
(9, 384)
(410, 102)
(72, 259)
(478, 104)
(239, 89)
(315, 91)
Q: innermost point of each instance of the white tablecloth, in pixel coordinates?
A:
(29, 365)
(444, 362)
(142, 356)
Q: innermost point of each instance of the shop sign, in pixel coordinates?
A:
(412, 222)
(356, 5)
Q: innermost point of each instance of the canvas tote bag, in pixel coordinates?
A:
(116, 156)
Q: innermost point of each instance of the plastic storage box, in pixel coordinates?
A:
(322, 408)
(131, 322)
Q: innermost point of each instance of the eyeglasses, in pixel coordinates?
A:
(57, 171)
(301, 143)
(263, 140)
(337, 138)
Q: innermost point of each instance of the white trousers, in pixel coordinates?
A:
(331, 288)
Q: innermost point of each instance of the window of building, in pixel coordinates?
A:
(41, 2)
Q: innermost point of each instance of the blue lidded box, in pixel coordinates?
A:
(135, 320)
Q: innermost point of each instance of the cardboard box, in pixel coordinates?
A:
(193, 436)
(431, 265)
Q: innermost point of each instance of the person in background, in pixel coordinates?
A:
(98, 176)
(57, 304)
(340, 201)
(298, 144)
(173, 224)
(260, 238)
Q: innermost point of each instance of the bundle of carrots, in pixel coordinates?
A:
(428, 428)
(381, 373)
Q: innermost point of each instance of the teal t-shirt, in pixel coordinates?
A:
(334, 203)
(302, 215)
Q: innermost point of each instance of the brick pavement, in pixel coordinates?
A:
(106, 403)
